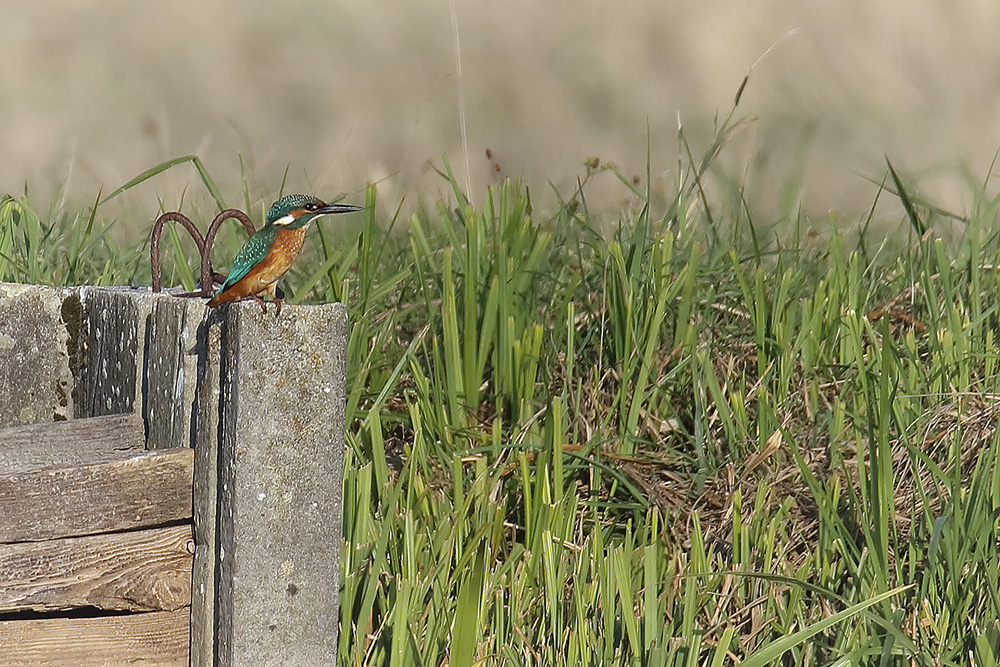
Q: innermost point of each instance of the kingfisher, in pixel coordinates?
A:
(270, 252)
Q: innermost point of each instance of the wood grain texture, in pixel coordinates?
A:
(107, 354)
(147, 490)
(70, 442)
(156, 639)
(205, 494)
(145, 570)
(163, 377)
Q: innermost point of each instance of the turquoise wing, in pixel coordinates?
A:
(250, 255)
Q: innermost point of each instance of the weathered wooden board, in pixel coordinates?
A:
(70, 442)
(156, 639)
(108, 353)
(147, 490)
(144, 570)
(164, 375)
(204, 583)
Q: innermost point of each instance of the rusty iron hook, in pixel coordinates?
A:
(204, 244)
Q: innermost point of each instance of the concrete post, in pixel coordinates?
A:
(281, 480)
(37, 349)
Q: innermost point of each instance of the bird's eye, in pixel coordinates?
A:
(311, 206)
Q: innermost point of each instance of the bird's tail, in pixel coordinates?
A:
(221, 298)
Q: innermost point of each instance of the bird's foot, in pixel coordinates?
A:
(263, 304)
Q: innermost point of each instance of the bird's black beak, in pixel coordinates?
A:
(328, 209)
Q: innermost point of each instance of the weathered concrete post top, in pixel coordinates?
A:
(260, 397)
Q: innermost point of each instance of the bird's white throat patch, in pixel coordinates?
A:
(285, 220)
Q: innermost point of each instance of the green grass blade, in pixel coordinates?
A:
(771, 652)
(467, 615)
(206, 179)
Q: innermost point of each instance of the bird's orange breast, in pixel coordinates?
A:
(261, 278)
(286, 247)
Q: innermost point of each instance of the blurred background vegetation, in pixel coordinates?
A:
(700, 401)
(344, 93)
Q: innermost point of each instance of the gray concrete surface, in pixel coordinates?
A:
(36, 341)
(281, 471)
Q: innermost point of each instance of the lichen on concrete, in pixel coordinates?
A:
(36, 380)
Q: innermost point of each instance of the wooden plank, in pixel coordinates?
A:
(164, 375)
(145, 570)
(147, 490)
(107, 353)
(72, 442)
(156, 639)
(205, 495)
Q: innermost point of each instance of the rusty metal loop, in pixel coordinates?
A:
(206, 253)
(204, 244)
(154, 244)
